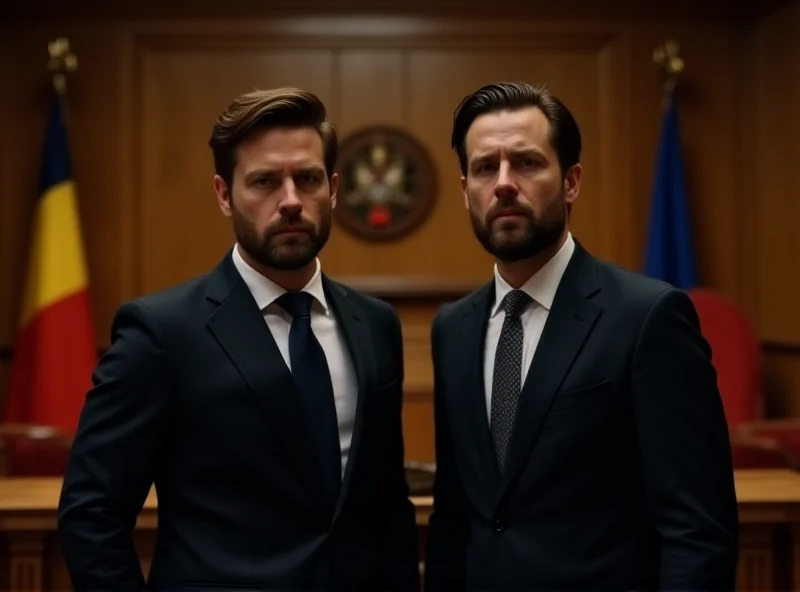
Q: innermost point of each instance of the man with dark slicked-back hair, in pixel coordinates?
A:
(581, 442)
(263, 399)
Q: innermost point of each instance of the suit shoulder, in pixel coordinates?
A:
(170, 301)
(371, 304)
(630, 288)
(453, 311)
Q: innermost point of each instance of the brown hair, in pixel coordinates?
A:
(278, 107)
(565, 136)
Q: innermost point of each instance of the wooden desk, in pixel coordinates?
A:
(30, 558)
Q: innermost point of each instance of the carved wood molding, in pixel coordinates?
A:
(332, 32)
(398, 288)
(26, 565)
(622, 9)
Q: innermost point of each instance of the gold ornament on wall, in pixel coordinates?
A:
(387, 184)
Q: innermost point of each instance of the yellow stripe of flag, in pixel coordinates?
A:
(57, 268)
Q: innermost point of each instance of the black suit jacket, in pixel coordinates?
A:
(619, 473)
(194, 396)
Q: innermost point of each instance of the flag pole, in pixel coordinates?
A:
(670, 65)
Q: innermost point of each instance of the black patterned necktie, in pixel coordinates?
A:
(507, 377)
(312, 378)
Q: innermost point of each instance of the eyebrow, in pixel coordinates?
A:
(265, 172)
(312, 169)
(516, 152)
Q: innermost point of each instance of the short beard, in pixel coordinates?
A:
(509, 243)
(292, 253)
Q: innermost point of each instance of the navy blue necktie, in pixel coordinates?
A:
(312, 378)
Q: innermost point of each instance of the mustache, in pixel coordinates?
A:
(294, 222)
(508, 209)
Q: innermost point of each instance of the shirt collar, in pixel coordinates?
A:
(542, 285)
(265, 292)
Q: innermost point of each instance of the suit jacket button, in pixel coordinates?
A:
(499, 525)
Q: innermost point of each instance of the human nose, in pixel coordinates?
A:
(290, 202)
(505, 186)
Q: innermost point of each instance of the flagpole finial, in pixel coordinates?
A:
(670, 65)
(62, 62)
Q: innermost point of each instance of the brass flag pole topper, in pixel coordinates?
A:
(670, 65)
(62, 62)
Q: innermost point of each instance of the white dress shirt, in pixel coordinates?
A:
(325, 328)
(541, 287)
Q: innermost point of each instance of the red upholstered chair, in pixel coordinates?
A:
(736, 355)
(737, 358)
(33, 450)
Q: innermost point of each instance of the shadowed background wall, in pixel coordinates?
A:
(153, 78)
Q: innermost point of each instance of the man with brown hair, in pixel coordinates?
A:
(263, 399)
(581, 442)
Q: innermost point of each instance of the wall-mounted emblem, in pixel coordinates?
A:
(387, 184)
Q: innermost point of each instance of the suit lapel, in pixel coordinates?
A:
(478, 435)
(239, 327)
(570, 321)
(350, 319)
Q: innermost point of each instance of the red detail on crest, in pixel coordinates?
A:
(379, 216)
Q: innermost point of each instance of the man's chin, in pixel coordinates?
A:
(290, 258)
(285, 258)
(512, 238)
(510, 248)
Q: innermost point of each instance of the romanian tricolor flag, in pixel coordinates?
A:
(55, 352)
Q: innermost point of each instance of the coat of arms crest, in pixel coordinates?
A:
(387, 184)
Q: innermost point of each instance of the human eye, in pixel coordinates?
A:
(308, 179)
(266, 182)
(526, 161)
(484, 167)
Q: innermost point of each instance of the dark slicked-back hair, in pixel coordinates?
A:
(565, 136)
(279, 107)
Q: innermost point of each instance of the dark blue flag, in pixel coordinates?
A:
(670, 251)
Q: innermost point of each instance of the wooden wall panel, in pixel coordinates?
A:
(418, 409)
(372, 88)
(770, 209)
(7, 240)
(774, 208)
(782, 381)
